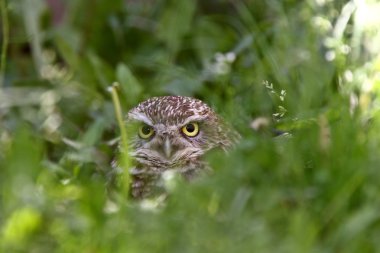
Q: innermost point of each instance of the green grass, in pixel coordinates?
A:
(310, 68)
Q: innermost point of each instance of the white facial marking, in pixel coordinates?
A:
(141, 117)
(167, 148)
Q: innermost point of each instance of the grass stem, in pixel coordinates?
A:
(4, 48)
(124, 158)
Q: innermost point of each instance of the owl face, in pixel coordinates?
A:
(173, 132)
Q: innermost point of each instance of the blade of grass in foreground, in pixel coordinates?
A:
(124, 160)
(5, 35)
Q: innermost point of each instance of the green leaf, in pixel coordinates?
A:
(94, 133)
(176, 22)
(129, 84)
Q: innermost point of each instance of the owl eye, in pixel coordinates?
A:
(191, 129)
(145, 131)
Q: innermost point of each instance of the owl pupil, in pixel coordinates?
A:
(145, 130)
(190, 128)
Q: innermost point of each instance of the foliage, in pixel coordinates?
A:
(309, 68)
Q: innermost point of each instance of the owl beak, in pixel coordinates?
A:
(167, 148)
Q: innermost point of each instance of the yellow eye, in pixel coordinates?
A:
(191, 129)
(145, 131)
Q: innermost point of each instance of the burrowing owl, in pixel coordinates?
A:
(172, 133)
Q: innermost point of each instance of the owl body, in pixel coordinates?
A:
(172, 133)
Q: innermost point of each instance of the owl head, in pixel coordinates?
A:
(173, 132)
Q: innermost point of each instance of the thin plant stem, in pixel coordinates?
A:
(124, 158)
(5, 28)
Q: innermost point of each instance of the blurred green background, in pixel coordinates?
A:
(311, 68)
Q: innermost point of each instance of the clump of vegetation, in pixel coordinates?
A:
(307, 68)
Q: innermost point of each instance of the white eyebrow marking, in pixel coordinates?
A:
(140, 117)
(194, 118)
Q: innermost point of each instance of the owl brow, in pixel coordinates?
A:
(197, 118)
(141, 118)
